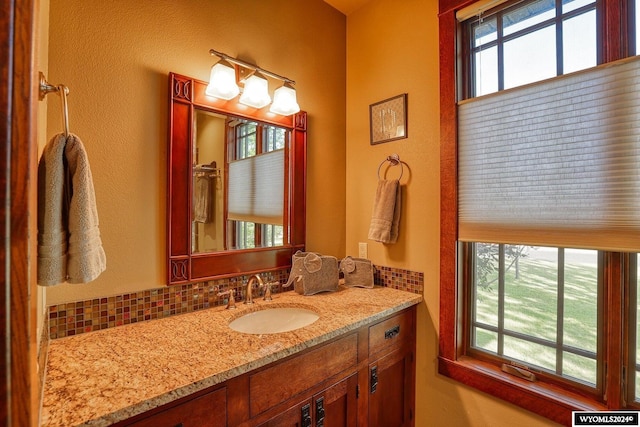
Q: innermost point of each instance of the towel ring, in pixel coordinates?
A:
(394, 159)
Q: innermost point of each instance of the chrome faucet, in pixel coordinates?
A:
(249, 298)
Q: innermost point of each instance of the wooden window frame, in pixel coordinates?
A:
(548, 400)
(629, 337)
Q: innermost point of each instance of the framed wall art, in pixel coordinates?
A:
(388, 119)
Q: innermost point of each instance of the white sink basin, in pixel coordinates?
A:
(274, 320)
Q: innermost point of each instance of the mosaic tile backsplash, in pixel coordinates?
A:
(100, 313)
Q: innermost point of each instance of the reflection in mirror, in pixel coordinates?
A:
(239, 183)
(208, 183)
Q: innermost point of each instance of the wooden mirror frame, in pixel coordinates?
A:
(187, 94)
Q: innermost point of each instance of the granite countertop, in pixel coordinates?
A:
(103, 377)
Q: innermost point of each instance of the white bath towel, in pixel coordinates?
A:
(385, 219)
(69, 244)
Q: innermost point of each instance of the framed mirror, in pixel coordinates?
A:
(236, 186)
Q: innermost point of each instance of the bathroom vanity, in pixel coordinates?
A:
(355, 365)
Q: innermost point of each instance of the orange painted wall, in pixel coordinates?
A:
(392, 48)
(115, 57)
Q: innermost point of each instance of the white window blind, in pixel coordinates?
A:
(256, 189)
(477, 8)
(555, 162)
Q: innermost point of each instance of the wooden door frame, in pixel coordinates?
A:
(19, 389)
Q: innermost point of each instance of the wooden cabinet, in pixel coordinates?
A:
(335, 406)
(391, 390)
(292, 377)
(299, 415)
(208, 410)
(363, 378)
(391, 373)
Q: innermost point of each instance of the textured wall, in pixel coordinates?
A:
(393, 48)
(115, 56)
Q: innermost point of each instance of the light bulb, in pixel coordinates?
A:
(284, 101)
(222, 82)
(256, 91)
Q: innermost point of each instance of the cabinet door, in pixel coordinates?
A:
(209, 410)
(337, 406)
(299, 415)
(391, 390)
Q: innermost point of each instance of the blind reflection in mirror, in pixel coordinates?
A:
(238, 184)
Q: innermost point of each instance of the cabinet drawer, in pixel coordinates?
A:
(207, 410)
(284, 380)
(390, 334)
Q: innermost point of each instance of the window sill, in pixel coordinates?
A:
(543, 399)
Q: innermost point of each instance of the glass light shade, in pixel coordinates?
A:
(222, 82)
(256, 92)
(284, 101)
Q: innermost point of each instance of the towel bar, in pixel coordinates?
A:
(63, 91)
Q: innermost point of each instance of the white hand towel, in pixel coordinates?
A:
(70, 248)
(385, 219)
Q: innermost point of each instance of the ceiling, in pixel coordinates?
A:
(346, 6)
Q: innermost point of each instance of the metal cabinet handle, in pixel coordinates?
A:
(374, 379)
(390, 333)
(305, 420)
(320, 412)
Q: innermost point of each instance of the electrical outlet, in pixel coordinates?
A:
(363, 250)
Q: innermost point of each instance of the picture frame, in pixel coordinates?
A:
(388, 119)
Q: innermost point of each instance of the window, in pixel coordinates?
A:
(538, 306)
(527, 279)
(256, 202)
(245, 139)
(529, 42)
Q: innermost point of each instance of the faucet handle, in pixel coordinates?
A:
(267, 292)
(231, 303)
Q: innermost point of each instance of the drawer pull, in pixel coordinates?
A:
(390, 333)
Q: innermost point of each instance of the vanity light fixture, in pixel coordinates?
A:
(222, 82)
(255, 93)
